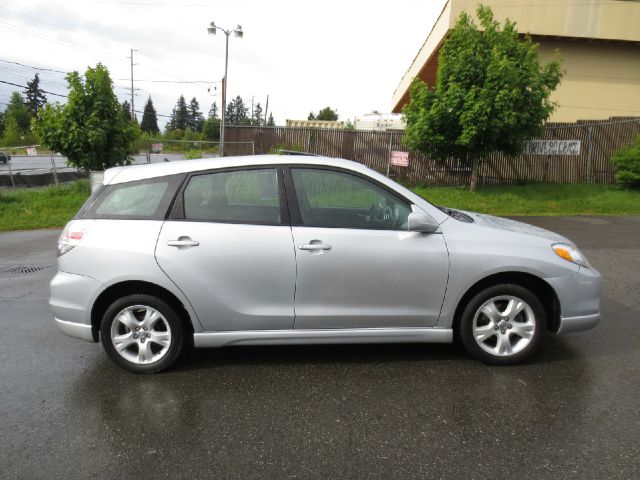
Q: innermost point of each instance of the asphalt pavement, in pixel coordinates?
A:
(382, 411)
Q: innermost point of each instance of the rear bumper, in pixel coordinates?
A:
(70, 300)
(77, 330)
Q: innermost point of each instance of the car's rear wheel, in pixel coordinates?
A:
(142, 334)
(503, 324)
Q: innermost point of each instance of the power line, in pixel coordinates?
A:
(43, 69)
(24, 86)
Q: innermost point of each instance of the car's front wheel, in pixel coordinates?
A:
(503, 324)
(142, 333)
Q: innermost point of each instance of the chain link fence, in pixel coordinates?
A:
(564, 153)
(33, 166)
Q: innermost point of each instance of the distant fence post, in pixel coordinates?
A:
(389, 153)
(53, 169)
(589, 158)
(13, 183)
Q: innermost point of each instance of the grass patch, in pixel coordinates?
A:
(30, 208)
(538, 199)
(47, 207)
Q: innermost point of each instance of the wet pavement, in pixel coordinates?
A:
(386, 411)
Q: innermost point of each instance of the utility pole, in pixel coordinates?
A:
(238, 33)
(266, 109)
(133, 110)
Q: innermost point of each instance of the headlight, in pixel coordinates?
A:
(570, 253)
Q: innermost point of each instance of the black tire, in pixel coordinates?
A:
(171, 322)
(507, 329)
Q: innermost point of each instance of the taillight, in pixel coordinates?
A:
(71, 236)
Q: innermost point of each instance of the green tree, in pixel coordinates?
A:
(196, 119)
(312, 116)
(126, 111)
(179, 116)
(89, 129)
(257, 119)
(271, 122)
(12, 136)
(149, 122)
(491, 94)
(236, 113)
(1, 124)
(626, 163)
(35, 97)
(213, 111)
(19, 112)
(327, 113)
(211, 129)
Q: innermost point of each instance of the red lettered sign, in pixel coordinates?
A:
(400, 159)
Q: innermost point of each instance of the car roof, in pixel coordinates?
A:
(152, 170)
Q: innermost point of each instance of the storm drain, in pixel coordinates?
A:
(23, 269)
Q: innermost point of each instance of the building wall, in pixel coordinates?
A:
(602, 19)
(315, 123)
(381, 122)
(601, 80)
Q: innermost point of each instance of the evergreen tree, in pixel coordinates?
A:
(126, 111)
(213, 111)
(1, 124)
(179, 115)
(327, 113)
(257, 115)
(230, 113)
(271, 122)
(312, 116)
(237, 112)
(149, 119)
(196, 119)
(35, 98)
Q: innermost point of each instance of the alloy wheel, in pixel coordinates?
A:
(141, 334)
(504, 325)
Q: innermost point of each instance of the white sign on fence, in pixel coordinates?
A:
(31, 151)
(156, 147)
(399, 159)
(552, 147)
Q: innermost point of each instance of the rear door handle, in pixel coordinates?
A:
(314, 246)
(183, 242)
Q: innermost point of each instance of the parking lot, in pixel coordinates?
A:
(383, 411)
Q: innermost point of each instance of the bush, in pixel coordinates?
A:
(626, 164)
(192, 154)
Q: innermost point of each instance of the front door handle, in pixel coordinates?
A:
(183, 242)
(314, 246)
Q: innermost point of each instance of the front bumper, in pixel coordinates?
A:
(579, 297)
(71, 299)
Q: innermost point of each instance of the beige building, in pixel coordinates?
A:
(599, 42)
(315, 123)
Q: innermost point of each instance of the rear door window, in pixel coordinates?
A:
(237, 196)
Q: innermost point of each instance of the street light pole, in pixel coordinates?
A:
(238, 32)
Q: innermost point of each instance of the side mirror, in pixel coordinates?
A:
(418, 221)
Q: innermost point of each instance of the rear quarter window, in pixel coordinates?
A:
(144, 199)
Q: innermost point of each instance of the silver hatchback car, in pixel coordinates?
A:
(275, 250)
